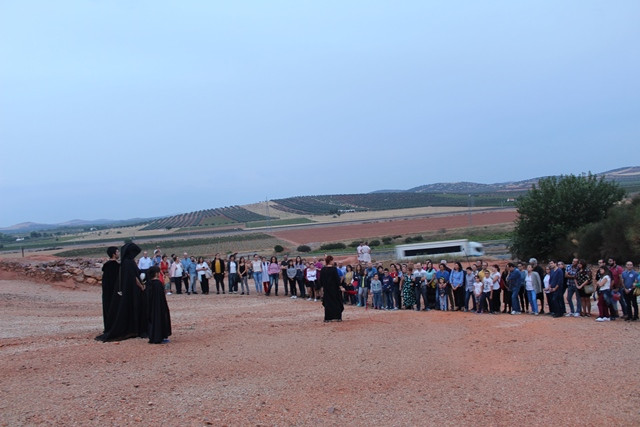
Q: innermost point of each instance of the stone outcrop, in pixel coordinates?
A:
(78, 270)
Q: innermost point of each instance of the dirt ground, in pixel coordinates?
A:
(256, 360)
(391, 227)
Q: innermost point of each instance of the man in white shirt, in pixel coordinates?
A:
(144, 263)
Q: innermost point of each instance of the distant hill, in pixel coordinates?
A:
(438, 194)
(627, 177)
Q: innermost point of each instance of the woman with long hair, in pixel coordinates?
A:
(408, 293)
(243, 275)
(457, 285)
(585, 288)
(202, 267)
(349, 295)
(291, 272)
(604, 294)
(274, 273)
(312, 279)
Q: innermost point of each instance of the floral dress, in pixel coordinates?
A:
(408, 293)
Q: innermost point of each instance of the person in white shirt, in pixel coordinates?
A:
(144, 263)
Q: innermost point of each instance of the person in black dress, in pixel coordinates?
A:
(110, 282)
(129, 313)
(159, 317)
(332, 294)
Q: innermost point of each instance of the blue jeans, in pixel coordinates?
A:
(469, 295)
(534, 301)
(257, 279)
(571, 290)
(192, 283)
(273, 281)
(377, 299)
(387, 300)
(363, 294)
(515, 303)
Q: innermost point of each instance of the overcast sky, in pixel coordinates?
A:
(122, 109)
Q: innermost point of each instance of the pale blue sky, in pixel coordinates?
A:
(121, 109)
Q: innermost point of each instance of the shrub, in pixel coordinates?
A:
(304, 248)
(354, 244)
(278, 249)
(387, 240)
(332, 246)
(374, 243)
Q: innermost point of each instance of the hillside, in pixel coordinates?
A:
(286, 210)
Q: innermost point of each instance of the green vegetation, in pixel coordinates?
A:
(616, 236)
(276, 222)
(304, 248)
(556, 207)
(209, 217)
(333, 246)
(333, 204)
(278, 248)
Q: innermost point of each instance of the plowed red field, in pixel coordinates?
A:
(393, 227)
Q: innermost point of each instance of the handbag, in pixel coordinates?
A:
(636, 291)
(208, 274)
(588, 289)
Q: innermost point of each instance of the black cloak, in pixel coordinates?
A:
(110, 287)
(332, 294)
(159, 318)
(129, 314)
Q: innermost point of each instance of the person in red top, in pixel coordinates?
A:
(164, 272)
(616, 285)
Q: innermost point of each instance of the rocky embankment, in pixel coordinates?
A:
(73, 270)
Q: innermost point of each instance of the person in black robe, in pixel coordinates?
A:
(332, 294)
(129, 314)
(159, 317)
(110, 280)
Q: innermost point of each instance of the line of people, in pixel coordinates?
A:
(480, 287)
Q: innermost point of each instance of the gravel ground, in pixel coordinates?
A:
(255, 360)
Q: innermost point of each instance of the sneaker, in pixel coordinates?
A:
(315, 300)
(599, 319)
(568, 315)
(395, 308)
(293, 297)
(357, 305)
(535, 314)
(308, 299)
(576, 314)
(169, 293)
(605, 319)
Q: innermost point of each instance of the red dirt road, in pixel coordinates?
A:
(392, 227)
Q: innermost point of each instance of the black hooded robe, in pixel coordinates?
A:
(332, 295)
(129, 314)
(159, 317)
(110, 281)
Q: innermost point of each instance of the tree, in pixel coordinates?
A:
(617, 236)
(555, 207)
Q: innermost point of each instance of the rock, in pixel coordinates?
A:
(92, 272)
(91, 281)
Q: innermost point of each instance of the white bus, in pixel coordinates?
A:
(452, 248)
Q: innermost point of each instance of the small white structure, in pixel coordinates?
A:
(452, 248)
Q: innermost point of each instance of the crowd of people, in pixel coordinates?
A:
(522, 287)
(135, 304)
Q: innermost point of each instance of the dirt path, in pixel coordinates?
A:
(253, 360)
